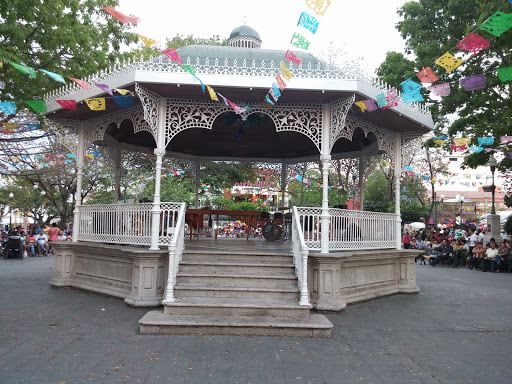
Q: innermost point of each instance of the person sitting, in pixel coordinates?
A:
(458, 253)
(42, 243)
(478, 255)
(30, 244)
(445, 251)
(490, 255)
(502, 259)
(13, 247)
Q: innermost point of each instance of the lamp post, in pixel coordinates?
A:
(436, 206)
(492, 165)
(493, 220)
(461, 200)
(11, 195)
(36, 187)
(353, 191)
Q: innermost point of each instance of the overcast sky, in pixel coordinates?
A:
(363, 29)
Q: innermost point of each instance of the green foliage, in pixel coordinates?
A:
(243, 206)
(431, 28)
(378, 195)
(396, 68)
(312, 197)
(412, 211)
(221, 175)
(507, 227)
(175, 189)
(70, 37)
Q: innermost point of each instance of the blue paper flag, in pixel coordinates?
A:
(381, 100)
(299, 177)
(309, 22)
(442, 137)
(33, 127)
(267, 98)
(409, 168)
(124, 101)
(70, 155)
(8, 107)
(476, 149)
(276, 90)
(54, 76)
(203, 87)
(410, 86)
(96, 153)
(409, 98)
(485, 140)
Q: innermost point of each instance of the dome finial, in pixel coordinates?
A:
(245, 20)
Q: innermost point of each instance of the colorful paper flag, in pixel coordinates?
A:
(81, 83)
(285, 72)
(67, 104)
(309, 22)
(497, 24)
(410, 98)
(318, 6)
(24, 69)
(96, 104)
(190, 69)
(267, 98)
(276, 90)
(274, 96)
(410, 86)
(124, 101)
(123, 91)
(458, 148)
(449, 62)
(121, 17)
(485, 141)
(392, 98)
(8, 107)
(34, 127)
(148, 42)
(39, 106)
(473, 83)
(462, 141)
(280, 82)
(473, 43)
(10, 127)
(54, 76)
(370, 105)
(427, 75)
(440, 140)
(104, 88)
(381, 100)
(510, 155)
(505, 139)
(291, 56)
(476, 149)
(300, 41)
(361, 105)
(442, 90)
(212, 93)
(505, 73)
(172, 54)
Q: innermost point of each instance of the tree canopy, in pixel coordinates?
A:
(431, 28)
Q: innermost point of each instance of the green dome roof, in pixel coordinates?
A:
(244, 30)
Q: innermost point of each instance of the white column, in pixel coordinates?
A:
(197, 180)
(325, 158)
(398, 173)
(283, 182)
(79, 176)
(361, 183)
(117, 174)
(159, 152)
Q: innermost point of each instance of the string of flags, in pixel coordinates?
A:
(495, 25)
(460, 144)
(207, 193)
(29, 161)
(308, 25)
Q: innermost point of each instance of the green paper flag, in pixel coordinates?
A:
(24, 69)
(497, 24)
(54, 76)
(190, 69)
(299, 41)
(37, 105)
(505, 73)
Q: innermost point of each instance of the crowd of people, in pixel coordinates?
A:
(460, 249)
(33, 241)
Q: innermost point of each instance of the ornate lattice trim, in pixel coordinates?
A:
(66, 132)
(339, 112)
(384, 137)
(149, 102)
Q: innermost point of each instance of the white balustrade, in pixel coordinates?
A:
(349, 230)
(125, 223)
(300, 257)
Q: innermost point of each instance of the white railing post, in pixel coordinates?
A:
(155, 210)
(169, 289)
(325, 217)
(300, 257)
(79, 176)
(398, 173)
(304, 293)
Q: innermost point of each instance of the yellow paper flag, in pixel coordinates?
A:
(449, 62)
(462, 141)
(148, 42)
(10, 126)
(212, 93)
(123, 91)
(439, 141)
(318, 6)
(285, 72)
(96, 104)
(361, 105)
(1, 64)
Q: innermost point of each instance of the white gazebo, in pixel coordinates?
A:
(314, 120)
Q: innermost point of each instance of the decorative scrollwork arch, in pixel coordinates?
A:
(339, 112)
(66, 132)
(384, 137)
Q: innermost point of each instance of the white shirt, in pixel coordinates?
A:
(491, 253)
(473, 239)
(481, 236)
(42, 238)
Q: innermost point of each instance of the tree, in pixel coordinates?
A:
(377, 196)
(431, 28)
(70, 37)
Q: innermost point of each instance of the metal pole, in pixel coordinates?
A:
(493, 210)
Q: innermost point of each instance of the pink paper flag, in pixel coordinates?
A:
(67, 104)
(473, 43)
(427, 75)
(81, 83)
(442, 90)
(280, 82)
(172, 54)
(291, 56)
(392, 98)
(506, 139)
(105, 88)
(473, 83)
(121, 17)
(271, 93)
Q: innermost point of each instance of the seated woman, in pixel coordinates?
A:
(490, 256)
(459, 256)
(478, 255)
(42, 243)
(30, 244)
(502, 259)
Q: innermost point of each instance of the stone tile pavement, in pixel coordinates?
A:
(457, 330)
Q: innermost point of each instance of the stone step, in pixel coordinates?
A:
(188, 290)
(237, 280)
(158, 323)
(233, 267)
(223, 306)
(245, 257)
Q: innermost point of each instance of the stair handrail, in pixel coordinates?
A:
(175, 248)
(300, 257)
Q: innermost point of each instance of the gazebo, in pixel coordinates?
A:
(339, 256)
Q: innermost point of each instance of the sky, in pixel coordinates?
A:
(361, 29)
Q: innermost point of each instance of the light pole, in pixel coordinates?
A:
(493, 220)
(11, 196)
(461, 200)
(36, 187)
(492, 165)
(353, 191)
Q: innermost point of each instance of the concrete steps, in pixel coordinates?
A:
(233, 293)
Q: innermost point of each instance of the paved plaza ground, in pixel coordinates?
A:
(457, 330)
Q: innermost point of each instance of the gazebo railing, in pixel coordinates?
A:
(349, 230)
(125, 223)
(300, 257)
